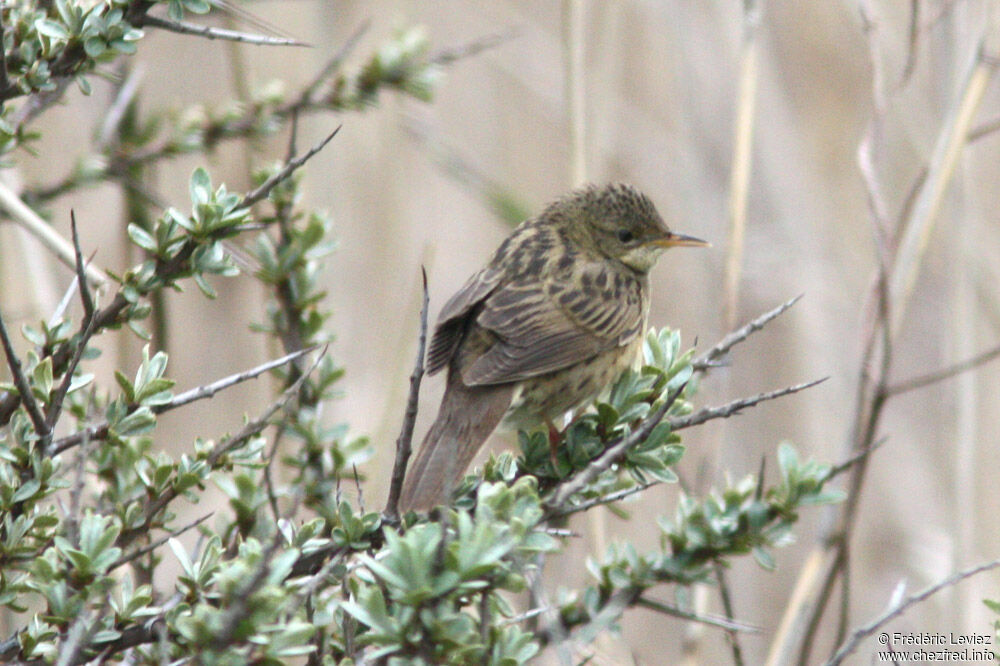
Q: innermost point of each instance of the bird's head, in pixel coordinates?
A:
(622, 223)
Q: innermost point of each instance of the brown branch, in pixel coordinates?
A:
(251, 429)
(210, 32)
(709, 358)
(711, 620)
(290, 167)
(897, 609)
(736, 406)
(945, 373)
(100, 430)
(23, 387)
(556, 502)
(139, 552)
(405, 439)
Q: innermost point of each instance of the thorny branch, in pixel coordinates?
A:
(100, 430)
(403, 443)
(897, 609)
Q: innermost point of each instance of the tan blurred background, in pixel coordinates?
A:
(661, 84)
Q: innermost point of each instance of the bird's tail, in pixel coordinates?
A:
(467, 417)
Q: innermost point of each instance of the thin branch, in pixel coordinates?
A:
(610, 498)
(86, 299)
(709, 358)
(614, 453)
(29, 220)
(945, 373)
(895, 610)
(711, 620)
(82, 338)
(265, 188)
(39, 101)
(79, 635)
(405, 439)
(251, 429)
(100, 430)
(474, 48)
(305, 98)
(23, 387)
(840, 468)
(983, 130)
(727, 606)
(736, 406)
(210, 32)
(124, 96)
(139, 552)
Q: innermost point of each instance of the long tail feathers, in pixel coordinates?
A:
(467, 417)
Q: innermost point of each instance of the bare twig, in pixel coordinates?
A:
(610, 498)
(711, 620)
(251, 429)
(210, 32)
(36, 103)
(265, 188)
(474, 48)
(83, 338)
(947, 149)
(405, 439)
(28, 219)
(840, 468)
(78, 636)
(148, 548)
(945, 373)
(736, 406)
(23, 387)
(614, 453)
(306, 97)
(709, 358)
(100, 430)
(983, 130)
(727, 605)
(86, 299)
(897, 609)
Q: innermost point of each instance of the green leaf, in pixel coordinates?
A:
(27, 490)
(51, 28)
(201, 187)
(142, 238)
(42, 379)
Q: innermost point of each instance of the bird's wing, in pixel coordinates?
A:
(543, 326)
(451, 321)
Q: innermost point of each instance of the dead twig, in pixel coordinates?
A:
(23, 387)
(736, 406)
(100, 430)
(211, 32)
(139, 552)
(709, 358)
(944, 373)
(897, 609)
(711, 620)
(405, 439)
(261, 193)
(613, 454)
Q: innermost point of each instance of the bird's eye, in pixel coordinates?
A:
(625, 236)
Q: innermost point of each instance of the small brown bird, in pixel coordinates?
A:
(554, 317)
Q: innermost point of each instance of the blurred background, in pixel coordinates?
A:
(658, 86)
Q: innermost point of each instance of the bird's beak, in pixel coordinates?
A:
(680, 240)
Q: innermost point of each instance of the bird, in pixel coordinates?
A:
(555, 316)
